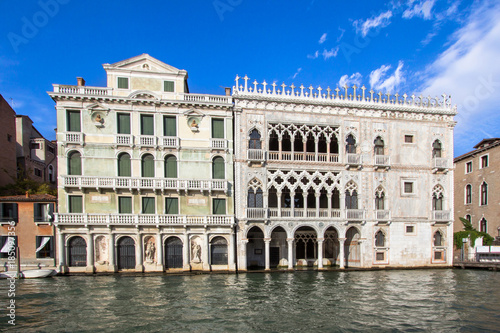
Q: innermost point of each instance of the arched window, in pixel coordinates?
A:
(255, 198)
(170, 166)
(351, 199)
(148, 166)
(124, 166)
(379, 146)
(350, 144)
(438, 239)
(273, 141)
(437, 198)
(254, 142)
(468, 217)
(74, 164)
(483, 225)
(379, 239)
(51, 173)
(77, 252)
(218, 171)
(379, 199)
(335, 199)
(218, 251)
(484, 194)
(468, 194)
(436, 149)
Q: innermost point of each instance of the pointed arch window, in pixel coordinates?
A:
(468, 194)
(484, 194)
(148, 166)
(75, 164)
(379, 146)
(351, 144)
(438, 239)
(254, 142)
(483, 225)
(436, 149)
(437, 198)
(170, 166)
(124, 166)
(255, 198)
(379, 200)
(351, 199)
(379, 239)
(218, 171)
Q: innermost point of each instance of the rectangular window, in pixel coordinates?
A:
(125, 205)
(168, 86)
(484, 161)
(147, 124)
(408, 138)
(169, 126)
(35, 145)
(8, 212)
(7, 246)
(438, 255)
(75, 204)
(410, 229)
(37, 172)
(217, 128)
(123, 83)
(380, 256)
(51, 150)
(171, 206)
(468, 194)
(408, 187)
(45, 246)
(219, 207)
(123, 125)
(148, 205)
(73, 121)
(43, 212)
(468, 167)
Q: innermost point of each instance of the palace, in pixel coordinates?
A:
(155, 178)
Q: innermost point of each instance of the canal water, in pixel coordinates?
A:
(443, 300)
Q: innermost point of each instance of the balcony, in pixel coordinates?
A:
(257, 213)
(439, 163)
(142, 219)
(300, 213)
(301, 156)
(82, 90)
(354, 160)
(441, 215)
(145, 183)
(124, 140)
(382, 161)
(382, 215)
(74, 138)
(218, 143)
(256, 156)
(169, 142)
(355, 214)
(147, 141)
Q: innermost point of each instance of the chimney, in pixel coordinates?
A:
(27, 194)
(228, 91)
(81, 81)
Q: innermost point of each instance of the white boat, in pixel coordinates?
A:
(29, 274)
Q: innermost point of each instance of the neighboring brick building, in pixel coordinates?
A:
(34, 233)
(7, 142)
(477, 184)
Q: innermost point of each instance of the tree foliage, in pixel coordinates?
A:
(23, 185)
(471, 233)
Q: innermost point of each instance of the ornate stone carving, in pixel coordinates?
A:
(196, 250)
(101, 250)
(150, 249)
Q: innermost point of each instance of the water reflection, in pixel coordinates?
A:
(408, 300)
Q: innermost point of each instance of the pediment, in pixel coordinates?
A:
(143, 63)
(97, 107)
(194, 113)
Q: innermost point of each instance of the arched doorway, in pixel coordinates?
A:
(351, 248)
(218, 251)
(306, 246)
(255, 249)
(173, 253)
(278, 250)
(331, 246)
(126, 253)
(77, 252)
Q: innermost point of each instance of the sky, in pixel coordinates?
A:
(429, 47)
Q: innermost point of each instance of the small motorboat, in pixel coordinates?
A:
(29, 274)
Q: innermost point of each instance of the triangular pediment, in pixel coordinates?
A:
(143, 63)
(97, 107)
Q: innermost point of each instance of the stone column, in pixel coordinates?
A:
(292, 204)
(290, 252)
(90, 253)
(317, 204)
(159, 251)
(62, 251)
(230, 252)
(320, 253)
(206, 252)
(329, 196)
(278, 196)
(112, 265)
(341, 255)
(185, 253)
(242, 265)
(267, 242)
(138, 254)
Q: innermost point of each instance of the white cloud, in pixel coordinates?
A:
(420, 9)
(467, 71)
(323, 38)
(313, 56)
(382, 21)
(380, 81)
(332, 53)
(354, 79)
(297, 73)
(342, 31)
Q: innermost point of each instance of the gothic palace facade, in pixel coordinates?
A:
(154, 178)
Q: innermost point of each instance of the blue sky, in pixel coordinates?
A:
(413, 46)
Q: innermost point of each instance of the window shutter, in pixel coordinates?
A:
(218, 168)
(171, 167)
(75, 204)
(124, 168)
(73, 121)
(148, 205)
(219, 206)
(171, 206)
(125, 205)
(169, 126)
(218, 128)
(75, 164)
(147, 125)
(123, 83)
(168, 86)
(123, 123)
(148, 166)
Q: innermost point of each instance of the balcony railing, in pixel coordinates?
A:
(145, 183)
(74, 137)
(169, 142)
(353, 159)
(355, 214)
(441, 215)
(147, 140)
(299, 213)
(124, 139)
(439, 163)
(141, 219)
(257, 213)
(82, 90)
(301, 156)
(382, 160)
(255, 155)
(382, 215)
(218, 143)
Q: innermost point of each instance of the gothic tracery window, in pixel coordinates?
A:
(437, 198)
(254, 142)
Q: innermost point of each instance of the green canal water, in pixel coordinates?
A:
(372, 301)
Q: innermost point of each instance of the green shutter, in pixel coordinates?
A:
(171, 167)
(218, 128)
(147, 125)
(148, 205)
(125, 205)
(219, 207)
(124, 168)
(123, 123)
(75, 164)
(123, 83)
(73, 121)
(171, 206)
(169, 126)
(168, 86)
(75, 204)
(148, 166)
(218, 168)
